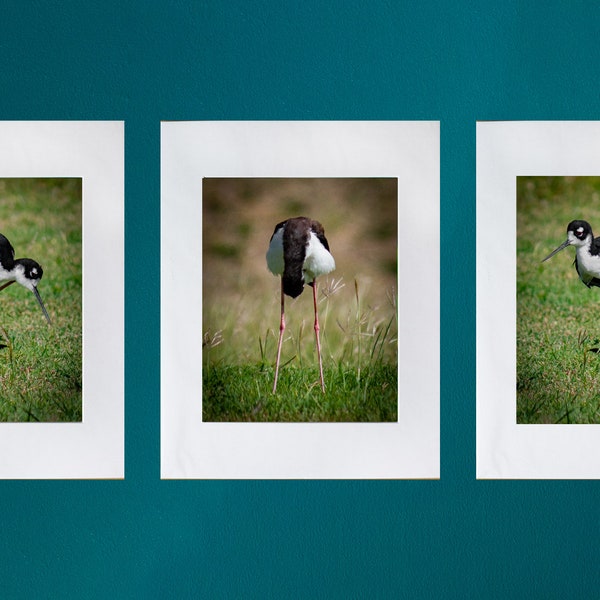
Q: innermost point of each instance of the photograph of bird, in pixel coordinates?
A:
(587, 252)
(258, 256)
(299, 253)
(24, 271)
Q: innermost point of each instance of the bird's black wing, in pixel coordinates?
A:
(318, 230)
(7, 253)
(278, 227)
(321, 237)
(594, 281)
(595, 246)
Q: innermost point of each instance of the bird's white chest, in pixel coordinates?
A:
(588, 264)
(318, 260)
(4, 274)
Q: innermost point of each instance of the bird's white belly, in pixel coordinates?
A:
(318, 260)
(589, 266)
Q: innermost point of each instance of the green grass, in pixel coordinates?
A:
(243, 393)
(41, 364)
(558, 330)
(359, 346)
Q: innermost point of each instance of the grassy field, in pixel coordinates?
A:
(357, 304)
(558, 331)
(41, 364)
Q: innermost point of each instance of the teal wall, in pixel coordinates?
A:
(147, 62)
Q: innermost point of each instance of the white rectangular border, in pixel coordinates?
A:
(94, 151)
(506, 150)
(193, 150)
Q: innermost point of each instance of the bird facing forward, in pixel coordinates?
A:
(299, 253)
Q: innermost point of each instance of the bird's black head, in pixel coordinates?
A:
(32, 271)
(579, 234)
(580, 229)
(28, 273)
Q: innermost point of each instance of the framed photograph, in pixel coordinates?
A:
(61, 331)
(295, 340)
(538, 365)
(337, 334)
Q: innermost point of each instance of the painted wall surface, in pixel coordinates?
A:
(146, 62)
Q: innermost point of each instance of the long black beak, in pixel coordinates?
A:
(561, 247)
(39, 299)
(36, 294)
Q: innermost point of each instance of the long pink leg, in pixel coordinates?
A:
(317, 329)
(281, 330)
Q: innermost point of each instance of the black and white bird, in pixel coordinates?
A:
(25, 271)
(299, 253)
(587, 252)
